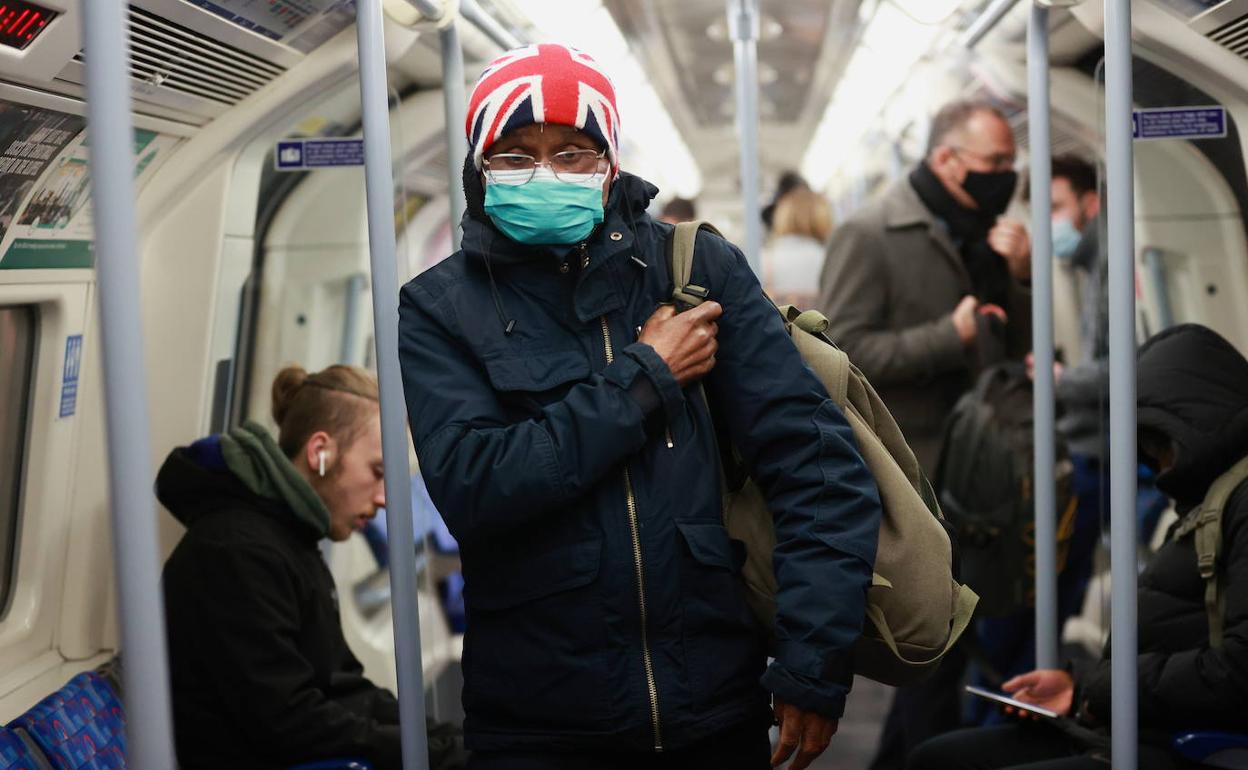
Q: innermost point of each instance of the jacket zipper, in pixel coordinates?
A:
(631, 500)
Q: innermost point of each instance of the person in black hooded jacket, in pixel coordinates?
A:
(1192, 395)
(262, 677)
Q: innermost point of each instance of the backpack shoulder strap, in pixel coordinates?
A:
(1206, 522)
(681, 251)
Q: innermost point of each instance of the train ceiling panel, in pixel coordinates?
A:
(190, 60)
(686, 49)
(1225, 22)
(184, 68)
(694, 36)
(1233, 36)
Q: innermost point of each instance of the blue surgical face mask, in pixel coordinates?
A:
(546, 210)
(1066, 238)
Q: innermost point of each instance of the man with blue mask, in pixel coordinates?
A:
(1076, 242)
(551, 393)
(1083, 387)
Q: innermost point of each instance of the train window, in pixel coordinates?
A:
(17, 354)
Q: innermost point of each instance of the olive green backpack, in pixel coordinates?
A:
(1206, 521)
(916, 609)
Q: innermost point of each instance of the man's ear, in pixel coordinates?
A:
(1091, 203)
(319, 443)
(943, 162)
(612, 173)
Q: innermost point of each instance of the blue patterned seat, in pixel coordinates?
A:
(16, 754)
(81, 726)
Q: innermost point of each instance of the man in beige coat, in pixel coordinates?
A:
(919, 284)
(923, 287)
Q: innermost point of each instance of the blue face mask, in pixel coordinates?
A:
(545, 210)
(1065, 239)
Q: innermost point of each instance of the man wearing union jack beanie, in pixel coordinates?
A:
(552, 393)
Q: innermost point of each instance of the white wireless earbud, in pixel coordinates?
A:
(320, 457)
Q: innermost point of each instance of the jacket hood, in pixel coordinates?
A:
(242, 468)
(1192, 386)
(629, 196)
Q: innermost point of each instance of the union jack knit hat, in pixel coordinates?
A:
(545, 83)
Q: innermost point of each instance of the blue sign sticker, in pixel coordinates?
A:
(69, 379)
(304, 154)
(1179, 123)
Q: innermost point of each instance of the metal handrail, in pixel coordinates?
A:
(986, 21)
(1119, 162)
(743, 22)
(136, 551)
(454, 102)
(1044, 426)
(487, 24)
(379, 187)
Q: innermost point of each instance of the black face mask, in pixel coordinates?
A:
(992, 191)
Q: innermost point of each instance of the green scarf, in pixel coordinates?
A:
(254, 457)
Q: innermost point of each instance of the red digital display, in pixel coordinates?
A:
(21, 22)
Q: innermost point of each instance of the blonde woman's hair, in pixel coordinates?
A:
(337, 400)
(803, 212)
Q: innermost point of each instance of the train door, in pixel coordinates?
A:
(1191, 193)
(312, 306)
(43, 352)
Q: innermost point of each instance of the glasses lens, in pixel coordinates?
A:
(510, 169)
(576, 166)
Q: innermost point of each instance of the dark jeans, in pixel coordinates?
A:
(743, 748)
(919, 711)
(1024, 746)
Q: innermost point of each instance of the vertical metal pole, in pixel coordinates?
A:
(379, 183)
(454, 106)
(1120, 187)
(136, 551)
(1042, 336)
(744, 23)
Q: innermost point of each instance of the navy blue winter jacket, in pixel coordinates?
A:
(605, 605)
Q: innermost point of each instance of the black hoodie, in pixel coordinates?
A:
(262, 676)
(1193, 388)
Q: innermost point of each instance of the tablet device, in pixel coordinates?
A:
(1008, 701)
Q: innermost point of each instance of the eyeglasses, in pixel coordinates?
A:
(573, 166)
(997, 161)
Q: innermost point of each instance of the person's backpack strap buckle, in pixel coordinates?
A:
(1207, 524)
(680, 246)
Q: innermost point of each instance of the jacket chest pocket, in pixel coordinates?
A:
(528, 382)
